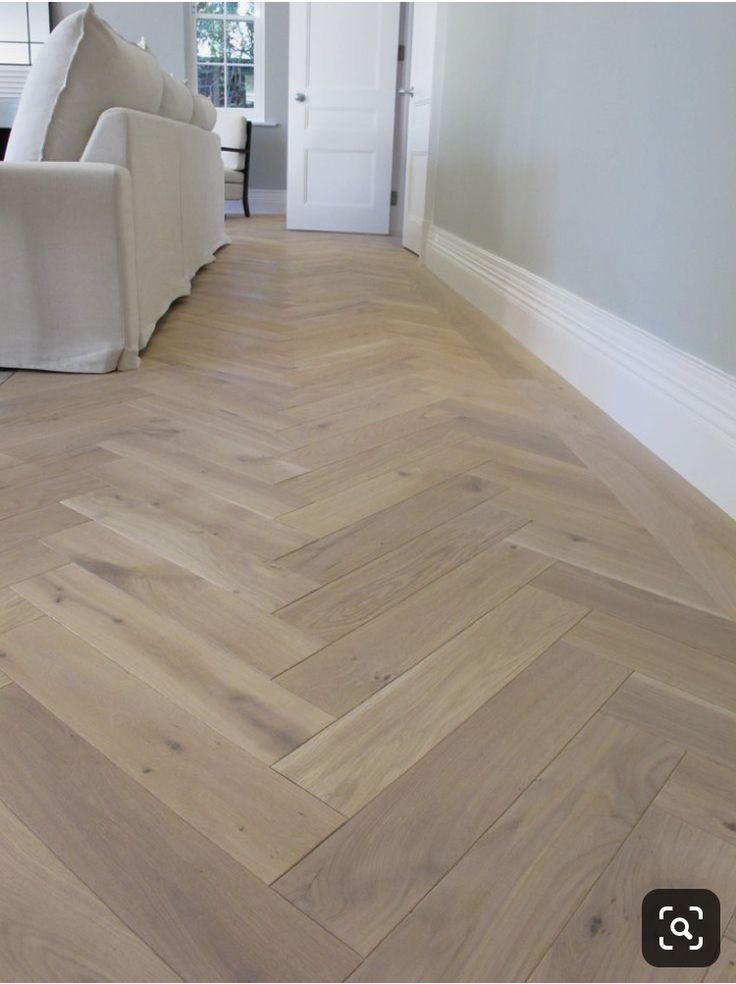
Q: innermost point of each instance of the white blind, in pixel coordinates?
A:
(12, 80)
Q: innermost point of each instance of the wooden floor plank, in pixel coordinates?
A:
(347, 672)
(341, 552)
(369, 874)
(333, 525)
(397, 726)
(205, 916)
(698, 629)
(54, 928)
(219, 616)
(436, 465)
(516, 887)
(691, 670)
(703, 794)
(263, 821)
(602, 941)
(677, 716)
(241, 703)
(336, 608)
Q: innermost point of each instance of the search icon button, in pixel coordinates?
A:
(685, 931)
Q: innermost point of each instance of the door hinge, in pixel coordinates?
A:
(402, 52)
(394, 198)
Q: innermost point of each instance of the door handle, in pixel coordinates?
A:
(409, 91)
(300, 97)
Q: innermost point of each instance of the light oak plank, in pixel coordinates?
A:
(233, 698)
(263, 821)
(642, 563)
(222, 617)
(207, 917)
(694, 628)
(703, 794)
(342, 605)
(602, 941)
(14, 610)
(369, 874)
(514, 890)
(393, 729)
(54, 928)
(27, 559)
(225, 483)
(677, 716)
(691, 670)
(340, 676)
(337, 511)
(341, 552)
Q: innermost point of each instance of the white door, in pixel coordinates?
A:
(342, 90)
(419, 93)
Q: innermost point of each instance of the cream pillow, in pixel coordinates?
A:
(83, 69)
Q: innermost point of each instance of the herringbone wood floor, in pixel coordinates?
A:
(343, 640)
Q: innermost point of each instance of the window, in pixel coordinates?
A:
(23, 29)
(229, 44)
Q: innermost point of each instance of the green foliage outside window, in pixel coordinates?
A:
(226, 53)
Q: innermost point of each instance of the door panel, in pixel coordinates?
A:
(424, 28)
(342, 59)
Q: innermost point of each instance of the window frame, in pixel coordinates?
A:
(256, 111)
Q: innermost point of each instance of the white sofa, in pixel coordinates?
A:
(111, 198)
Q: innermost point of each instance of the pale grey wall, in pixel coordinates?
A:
(268, 158)
(596, 146)
(164, 26)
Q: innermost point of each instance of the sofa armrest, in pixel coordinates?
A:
(67, 272)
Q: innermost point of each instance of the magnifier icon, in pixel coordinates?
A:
(681, 927)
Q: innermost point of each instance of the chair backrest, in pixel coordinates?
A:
(231, 128)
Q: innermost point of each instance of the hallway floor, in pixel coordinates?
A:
(343, 640)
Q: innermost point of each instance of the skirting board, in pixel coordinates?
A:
(679, 407)
(262, 201)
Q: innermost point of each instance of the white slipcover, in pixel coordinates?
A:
(94, 250)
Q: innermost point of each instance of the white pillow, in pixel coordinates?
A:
(83, 69)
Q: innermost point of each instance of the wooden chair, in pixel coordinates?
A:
(235, 135)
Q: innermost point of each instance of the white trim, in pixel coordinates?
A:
(262, 201)
(678, 406)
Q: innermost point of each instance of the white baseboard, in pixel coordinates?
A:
(678, 406)
(264, 201)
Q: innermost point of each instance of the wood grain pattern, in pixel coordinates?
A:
(260, 819)
(336, 608)
(220, 616)
(54, 927)
(690, 670)
(340, 676)
(205, 916)
(602, 941)
(677, 716)
(399, 724)
(343, 629)
(385, 865)
(530, 854)
(236, 700)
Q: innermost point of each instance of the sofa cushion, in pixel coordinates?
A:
(177, 101)
(205, 114)
(84, 69)
(233, 177)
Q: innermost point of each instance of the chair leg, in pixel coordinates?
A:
(246, 205)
